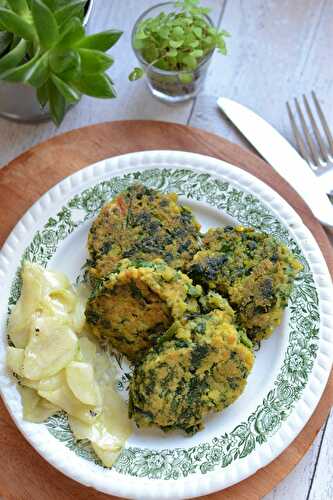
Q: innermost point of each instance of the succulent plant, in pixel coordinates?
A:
(43, 43)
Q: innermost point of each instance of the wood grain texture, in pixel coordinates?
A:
(322, 485)
(279, 49)
(29, 176)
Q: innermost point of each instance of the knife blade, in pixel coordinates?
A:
(277, 151)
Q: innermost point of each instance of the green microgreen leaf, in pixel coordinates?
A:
(94, 61)
(70, 94)
(197, 31)
(100, 41)
(175, 44)
(186, 77)
(190, 61)
(16, 24)
(46, 24)
(14, 57)
(178, 40)
(136, 74)
(96, 85)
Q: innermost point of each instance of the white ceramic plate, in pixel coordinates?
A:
(291, 368)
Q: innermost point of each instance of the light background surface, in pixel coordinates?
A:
(279, 49)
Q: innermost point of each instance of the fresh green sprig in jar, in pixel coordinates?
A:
(179, 40)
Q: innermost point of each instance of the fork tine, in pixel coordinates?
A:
(298, 138)
(321, 144)
(312, 147)
(323, 121)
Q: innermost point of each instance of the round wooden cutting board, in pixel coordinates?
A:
(24, 475)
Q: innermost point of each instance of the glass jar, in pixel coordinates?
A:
(171, 86)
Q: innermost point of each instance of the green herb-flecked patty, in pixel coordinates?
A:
(134, 305)
(253, 270)
(199, 366)
(142, 223)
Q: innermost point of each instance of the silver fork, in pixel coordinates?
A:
(317, 153)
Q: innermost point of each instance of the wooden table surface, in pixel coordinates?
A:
(279, 49)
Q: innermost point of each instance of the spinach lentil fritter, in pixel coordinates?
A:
(200, 367)
(142, 223)
(253, 270)
(133, 306)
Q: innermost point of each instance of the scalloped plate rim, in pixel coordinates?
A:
(136, 487)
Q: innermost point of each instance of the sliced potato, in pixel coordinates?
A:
(52, 383)
(81, 430)
(54, 280)
(108, 457)
(106, 446)
(115, 414)
(78, 315)
(81, 381)
(52, 345)
(31, 293)
(35, 409)
(87, 350)
(15, 358)
(33, 384)
(65, 399)
(43, 292)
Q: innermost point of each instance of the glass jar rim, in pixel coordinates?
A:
(154, 68)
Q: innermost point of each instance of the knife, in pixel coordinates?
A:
(277, 151)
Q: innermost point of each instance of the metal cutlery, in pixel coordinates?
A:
(278, 152)
(317, 148)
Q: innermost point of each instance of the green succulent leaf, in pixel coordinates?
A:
(39, 72)
(57, 103)
(14, 57)
(16, 24)
(34, 72)
(46, 24)
(100, 41)
(70, 10)
(51, 4)
(69, 93)
(94, 61)
(65, 60)
(5, 41)
(72, 33)
(43, 95)
(19, 6)
(96, 85)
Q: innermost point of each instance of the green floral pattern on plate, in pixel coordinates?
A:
(303, 323)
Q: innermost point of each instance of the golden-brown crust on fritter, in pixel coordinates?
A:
(253, 270)
(202, 368)
(142, 223)
(135, 305)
